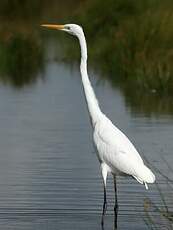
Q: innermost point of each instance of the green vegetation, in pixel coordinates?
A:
(21, 60)
(131, 40)
(21, 46)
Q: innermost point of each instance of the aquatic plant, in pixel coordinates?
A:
(160, 216)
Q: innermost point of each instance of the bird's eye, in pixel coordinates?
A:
(67, 27)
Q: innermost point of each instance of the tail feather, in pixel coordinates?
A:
(146, 186)
(144, 175)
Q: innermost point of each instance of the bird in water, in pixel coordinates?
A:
(116, 153)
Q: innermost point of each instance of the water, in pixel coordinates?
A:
(49, 173)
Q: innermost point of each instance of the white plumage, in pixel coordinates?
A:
(117, 155)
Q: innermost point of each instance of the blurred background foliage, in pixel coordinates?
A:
(21, 57)
(130, 42)
(21, 45)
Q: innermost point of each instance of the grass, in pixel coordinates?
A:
(158, 217)
(132, 41)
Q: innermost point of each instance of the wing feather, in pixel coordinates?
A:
(116, 150)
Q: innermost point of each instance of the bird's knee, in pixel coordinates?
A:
(104, 170)
(116, 207)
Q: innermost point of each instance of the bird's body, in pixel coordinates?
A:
(115, 151)
(116, 154)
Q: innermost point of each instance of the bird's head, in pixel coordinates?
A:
(73, 29)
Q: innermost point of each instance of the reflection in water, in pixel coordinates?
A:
(115, 220)
(115, 207)
(164, 217)
(149, 103)
(143, 102)
(21, 58)
(115, 226)
(21, 52)
(48, 172)
(165, 213)
(45, 178)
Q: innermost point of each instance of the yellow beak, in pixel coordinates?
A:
(53, 26)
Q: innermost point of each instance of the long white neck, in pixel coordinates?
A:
(93, 106)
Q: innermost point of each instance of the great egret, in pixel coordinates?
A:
(116, 154)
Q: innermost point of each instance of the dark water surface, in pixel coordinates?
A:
(49, 173)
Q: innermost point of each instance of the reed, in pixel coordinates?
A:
(133, 40)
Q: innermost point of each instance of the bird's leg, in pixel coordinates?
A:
(115, 220)
(104, 206)
(104, 176)
(115, 189)
(116, 204)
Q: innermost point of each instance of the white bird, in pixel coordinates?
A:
(116, 153)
